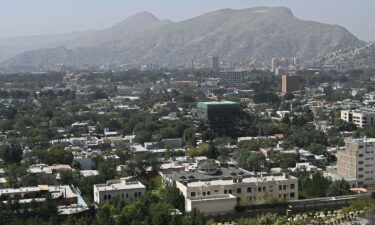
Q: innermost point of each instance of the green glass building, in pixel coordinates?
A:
(220, 117)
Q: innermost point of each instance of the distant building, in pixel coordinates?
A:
(284, 64)
(232, 78)
(81, 127)
(289, 83)
(214, 190)
(184, 83)
(359, 118)
(122, 188)
(357, 161)
(215, 64)
(220, 117)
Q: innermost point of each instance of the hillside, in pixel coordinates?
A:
(257, 33)
(353, 58)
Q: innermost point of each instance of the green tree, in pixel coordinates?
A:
(338, 188)
(11, 153)
(194, 218)
(173, 196)
(317, 149)
(253, 161)
(58, 155)
(285, 160)
(189, 137)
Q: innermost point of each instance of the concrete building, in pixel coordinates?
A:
(81, 127)
(122, 188)
(67, 198)
(283, 63)
(220, 117)
(232, 78)
(215, 64)
(358, 117)
(215, 190)
(289, 83)
(357, 161)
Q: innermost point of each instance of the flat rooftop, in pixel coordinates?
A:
(249, 180)
(360, 140)
(119, 185)
(221, 104)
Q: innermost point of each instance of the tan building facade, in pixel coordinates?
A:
(359, 118)
(357, 161)
(289, 83)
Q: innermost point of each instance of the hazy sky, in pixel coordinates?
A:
(30, 17)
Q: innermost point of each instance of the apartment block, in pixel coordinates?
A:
(289, 83)
(357, 161)
(359, 117)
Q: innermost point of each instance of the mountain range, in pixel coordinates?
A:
(260, 34)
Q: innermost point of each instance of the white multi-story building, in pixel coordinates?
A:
(359, 118)
(122, 188)
(357, 161)
(232, 78)
(215, 190)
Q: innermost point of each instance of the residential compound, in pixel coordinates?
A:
(220, 117)
(214, 190)
(359, 117)
(122, 188)
(357, 161)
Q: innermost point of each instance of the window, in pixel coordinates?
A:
(360, 162)
(238, 190)
(284, 187)
(216, 191)
(230, 191)
(225, 191)
(292, 194)
(360, 169)
(280, 187)
(135, 194)
(105, 197)
(109, 197)
(291, 186)
(360, 155)
(208, 192)
(122, 195)
(127, 195)
(249, 189)
(139, 194)
(360, 176)
(259, 189)
(264, 188)
(192, 194)
(204, 193)
(285, 196)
